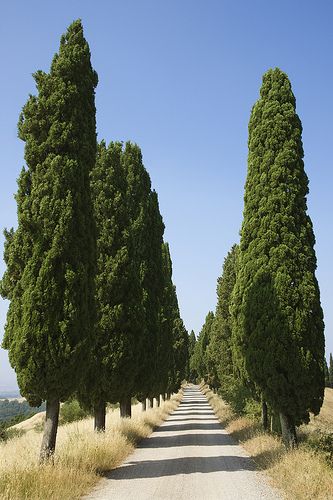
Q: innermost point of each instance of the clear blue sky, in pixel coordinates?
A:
(179, 77)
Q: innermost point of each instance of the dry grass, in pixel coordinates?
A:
(81, 456)
(324, 421)
(300, 474)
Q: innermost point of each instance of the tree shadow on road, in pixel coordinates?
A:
(188, 440)
(197, 426)
(184, 465)
(193, 419)
(209, 413)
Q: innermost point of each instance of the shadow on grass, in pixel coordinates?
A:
(268, 458)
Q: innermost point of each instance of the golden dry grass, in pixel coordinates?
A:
(300, 474)
(30, 423)
(81, 455)
(324, 421)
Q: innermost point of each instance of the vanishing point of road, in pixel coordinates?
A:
(189, 457)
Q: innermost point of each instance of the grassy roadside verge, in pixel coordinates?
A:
(300, 474)
(82, 455)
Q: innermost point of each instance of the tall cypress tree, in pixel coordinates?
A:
(180, 354)
(278, 320)
(118, 331)
(199, 358)
(51, 256)
(151, 374)
(168, 312)
(191, 346)
(219, 352)
(177, 333)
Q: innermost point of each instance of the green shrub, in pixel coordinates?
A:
(6, 434)
(238, 396)
(71, 411)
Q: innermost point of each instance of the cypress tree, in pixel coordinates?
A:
(191, 343)
(219, 352)
(199, 359)
(118, 331)
(278, 321)
(152, 375)
(168, 312)
(180, 354)
(123, 206)
(51, 256)
(174, 329)
(191, 346)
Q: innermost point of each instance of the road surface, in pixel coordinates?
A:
(189, 457)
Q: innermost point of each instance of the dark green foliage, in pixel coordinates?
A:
(327, 375)
(198, 362)
(192, 376)
(168, 312)
(191, 343)
(277, 317)
(152, 374)
(219, 355)
(118, 332)
(51, 256)
(220, 369)
(146, 239)
(180, 354)
(173, 328)
(131, 352)
(14, 408)
(71, 411)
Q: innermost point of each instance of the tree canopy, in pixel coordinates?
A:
(277, 316)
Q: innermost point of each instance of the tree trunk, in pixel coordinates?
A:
(129, 407)
(275, 423)
(163, 396)
(288, 431)
(150, 402)
(158, 401)
(168, 395)
(50, 430)
(126, 408)
(264, 415)
(99, 414)
(144, 405)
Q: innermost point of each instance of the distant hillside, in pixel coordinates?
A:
(14, 407)
(9, 395)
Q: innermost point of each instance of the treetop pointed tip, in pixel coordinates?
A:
(75, 26)
(74, 31)
(276, 84)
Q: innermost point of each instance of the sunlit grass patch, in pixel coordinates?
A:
(300, 474)
(82, 455)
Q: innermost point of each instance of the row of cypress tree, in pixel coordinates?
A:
(268, 329)
(93, 310)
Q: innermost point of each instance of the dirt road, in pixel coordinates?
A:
(189, 457)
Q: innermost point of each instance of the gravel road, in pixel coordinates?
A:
(189, 457)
